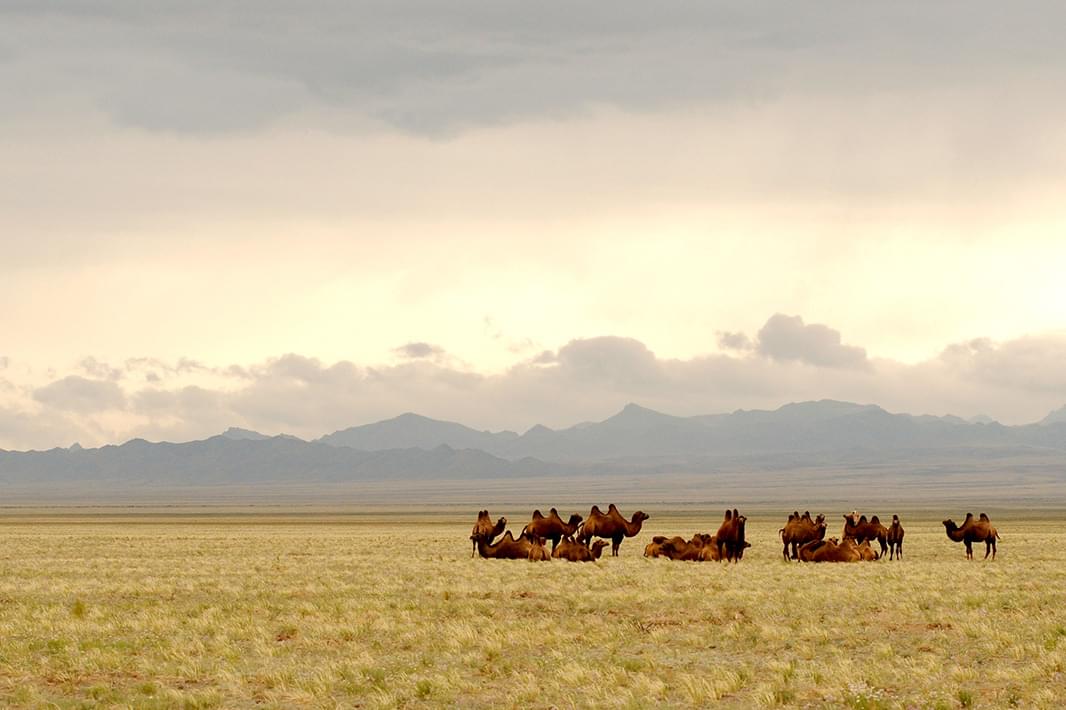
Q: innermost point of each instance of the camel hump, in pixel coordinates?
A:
(735, 513)
(537, 515)
(728, 514)
(596, 510)
(984, 517)
(969, 516)
(875, 520)
(659, 539)
(553, 511)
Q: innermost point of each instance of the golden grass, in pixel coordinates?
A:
(385, 613)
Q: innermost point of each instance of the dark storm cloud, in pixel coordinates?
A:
(431, 67)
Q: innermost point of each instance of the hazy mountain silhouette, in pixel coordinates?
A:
(636, 440)
(413, 430)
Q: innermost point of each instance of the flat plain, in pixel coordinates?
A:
(240, 609)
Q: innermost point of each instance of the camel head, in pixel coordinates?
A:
(950, 525)
(639, 517)
(820, 520)
(597, 548)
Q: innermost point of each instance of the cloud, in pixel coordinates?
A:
(789, 338)
(418, 351)
(1015, 381)
(80, 395)
(429, 68)
(734, 341)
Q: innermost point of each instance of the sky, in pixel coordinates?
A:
(302, 218)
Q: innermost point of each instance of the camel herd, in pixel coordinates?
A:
(803, 538)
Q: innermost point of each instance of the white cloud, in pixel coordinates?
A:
(1016, 381)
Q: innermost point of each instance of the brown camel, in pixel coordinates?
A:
(507, 548)
(806, 552)
(485, 530)
(653, 547)
(895, 539)
(799, 530)
(552, 527)
(611, 526)
(846, 551)
(677, 548)
(972, 531)
(730, 536)
(537, 551)
(860, 530)
(710, 552)
(867, 553)
(576, 552)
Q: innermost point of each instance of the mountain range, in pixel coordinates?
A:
(636, 440)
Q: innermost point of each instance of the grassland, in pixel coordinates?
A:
(389, 610)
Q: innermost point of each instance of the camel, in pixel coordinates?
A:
(611, 526)
(576, 552)
(860, 530)
(552, 527)
(484, 529)
(972, 531)
(677, 548)
(895, 539)
(537, 553)
(846, 551)
(799, 530)
(867, 553)
(730, 536)
(806, 552)
(506, 549)
(652, 548)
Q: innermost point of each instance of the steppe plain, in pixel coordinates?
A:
(276, 607)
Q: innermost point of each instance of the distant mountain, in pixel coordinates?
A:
(1056, 417)
(415, 431)
(223, 460)
(635, 441)
(238, 434)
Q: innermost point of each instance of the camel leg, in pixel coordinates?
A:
(884, 546)
(473, 553)
(899, 552)
(993, 541)
(616, 542)
(969, 550)
(785, 552)
(555, 543)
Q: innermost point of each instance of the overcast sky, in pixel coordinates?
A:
(303, 217)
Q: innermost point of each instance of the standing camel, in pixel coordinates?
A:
(972, 531)
(895, 539)
(799, 530)
(860, 530)
(730, 536)
(611, 526)
(552, 527)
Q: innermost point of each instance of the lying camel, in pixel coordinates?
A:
(867, 553)
(611, 526)
(799, 530)
(485, 530)
(677, 548)
(860, 530)
(895, 539)
(972, 531)
(846, 551)
(537, 552)
(730, 536)
(506, 549)
(576, 552)
(806, 552)
(652, 548)
(552, 527)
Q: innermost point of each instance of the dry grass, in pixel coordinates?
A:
(238, 612)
